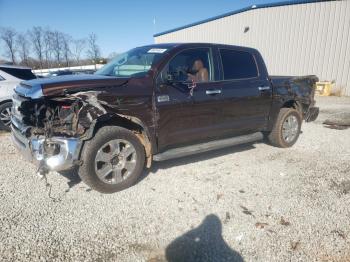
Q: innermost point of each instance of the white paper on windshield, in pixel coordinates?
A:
(156, 51)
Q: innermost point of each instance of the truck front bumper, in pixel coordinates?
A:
(312, 114)
(51, 154)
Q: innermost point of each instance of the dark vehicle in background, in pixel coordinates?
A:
(10, 76)
(84, 71)
(60, 73)
(155, 103)
(70, 72)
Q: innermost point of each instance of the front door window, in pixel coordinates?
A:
(191, 65)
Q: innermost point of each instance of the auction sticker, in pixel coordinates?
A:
(156, 51)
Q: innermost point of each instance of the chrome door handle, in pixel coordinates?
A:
(262, 88)
(213, 92)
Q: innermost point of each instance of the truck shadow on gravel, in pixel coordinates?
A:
(74, 179)
(198, 158)
(203, 243)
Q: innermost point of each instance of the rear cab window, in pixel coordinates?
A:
(238, 64)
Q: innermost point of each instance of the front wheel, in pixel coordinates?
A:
(286, 129)
(113, 160)
(5, 116)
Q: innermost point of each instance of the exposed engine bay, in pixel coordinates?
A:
(69, 116)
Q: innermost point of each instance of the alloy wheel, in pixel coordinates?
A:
(5, 116)
(290, 128)
(115, 161)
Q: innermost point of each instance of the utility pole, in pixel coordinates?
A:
(154, 26)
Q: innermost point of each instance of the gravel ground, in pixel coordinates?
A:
(249, 203)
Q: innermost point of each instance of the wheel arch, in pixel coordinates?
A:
(5, 101)
(129, 122)
(292, 103)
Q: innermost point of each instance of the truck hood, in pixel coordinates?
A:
(60, 85)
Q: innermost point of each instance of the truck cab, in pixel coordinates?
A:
(236, 98)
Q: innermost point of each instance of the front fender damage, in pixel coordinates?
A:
(59, 126)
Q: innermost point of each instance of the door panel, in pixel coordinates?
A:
(243, 106)
(246, 93)
(186, 118)
(208, 105)
(174, 115)
(183, 116)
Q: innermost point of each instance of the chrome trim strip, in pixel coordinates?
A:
(262, 88)
(33, 92)
(213, 92)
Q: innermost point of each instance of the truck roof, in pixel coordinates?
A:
(194, 44)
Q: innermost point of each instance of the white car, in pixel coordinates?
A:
(10, 76)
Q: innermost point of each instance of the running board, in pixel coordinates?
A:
(204, 147)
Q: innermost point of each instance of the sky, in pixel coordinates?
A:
(119, 25)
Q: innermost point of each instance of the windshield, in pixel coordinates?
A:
(136, 62)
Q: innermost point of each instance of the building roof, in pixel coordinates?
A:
(253, 7)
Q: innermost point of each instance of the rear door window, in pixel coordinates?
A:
(238, 64)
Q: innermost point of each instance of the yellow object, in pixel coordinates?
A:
(324, 88)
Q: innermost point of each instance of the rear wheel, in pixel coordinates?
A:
(286, 129)
(5, 116)
(113, 160)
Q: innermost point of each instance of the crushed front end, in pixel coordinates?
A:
(50, 132)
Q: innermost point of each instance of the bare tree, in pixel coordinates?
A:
(66, 41)
(23, 47)
(50, 48)
(48, 43)
(78, 47)
(57, 46)
(8, 35)
(37, 37)
(93, 48)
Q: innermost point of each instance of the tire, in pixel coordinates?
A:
(5, 110)
(100, 156)
(278, 136)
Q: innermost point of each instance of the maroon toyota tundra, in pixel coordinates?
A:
(155, 103)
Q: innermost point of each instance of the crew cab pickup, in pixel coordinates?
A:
(155, 103)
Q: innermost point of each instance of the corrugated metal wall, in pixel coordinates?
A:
(300, 39)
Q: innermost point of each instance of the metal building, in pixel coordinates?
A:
(295, 38)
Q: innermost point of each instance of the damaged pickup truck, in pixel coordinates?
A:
(155, 103)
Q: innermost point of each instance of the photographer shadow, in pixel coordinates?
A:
(204, 243)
